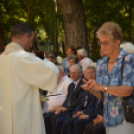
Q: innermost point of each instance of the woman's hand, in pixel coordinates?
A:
(94, 87)
(91, 85)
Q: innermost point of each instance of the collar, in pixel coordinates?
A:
(76, 83)
(121, 55)
(12, 47)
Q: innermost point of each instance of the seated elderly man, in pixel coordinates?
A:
(56, 100)
(80, 116)
(73, 98)
(84, 60)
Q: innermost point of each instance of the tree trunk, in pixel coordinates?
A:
(2, 37)
(95, 48)
(74, 23)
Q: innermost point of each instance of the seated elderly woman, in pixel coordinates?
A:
(70, 49)
(84, 60)
(73, 59)
(110, 86)
(56, 100)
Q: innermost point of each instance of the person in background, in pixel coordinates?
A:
(70, 49)
(96, 126)
(74, 124)
(39, 54)
(73, 98)
(52, 58)
(84, 60)
(56, 100)
(78, 48)
(73, 59)
(128, 47)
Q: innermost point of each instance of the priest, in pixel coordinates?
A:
(21, 76)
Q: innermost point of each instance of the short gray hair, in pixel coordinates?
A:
(91, 67)
(128, 47)
(73, 57)
(112, 29)
(77, 66)
(82, 52)
(52, 57)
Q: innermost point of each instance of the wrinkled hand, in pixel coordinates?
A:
(83, 117)
(61, 109)
(91, 85)
(64, 109)
(54, 109)
(58, 111)
(78, 113)
(98, 119)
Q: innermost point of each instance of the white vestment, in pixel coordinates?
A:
(21, 76)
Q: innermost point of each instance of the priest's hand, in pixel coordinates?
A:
(83, 117)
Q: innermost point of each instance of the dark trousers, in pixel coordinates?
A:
(47, 122)
(69, 125)
(50, 122)
(60, 122)
(97, 129)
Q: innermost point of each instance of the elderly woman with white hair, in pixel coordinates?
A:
(110, 86)
(84, 60)
(56, 100)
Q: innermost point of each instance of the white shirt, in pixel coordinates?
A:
(62, 90)
(85, 62)
(76, 83)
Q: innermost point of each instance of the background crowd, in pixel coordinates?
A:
(81, 112)
(89, 96)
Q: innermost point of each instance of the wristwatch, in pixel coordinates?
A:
(105, 89)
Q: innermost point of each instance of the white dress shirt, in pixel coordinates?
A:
(62, 90)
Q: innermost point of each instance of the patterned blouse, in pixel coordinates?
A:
(113, 105)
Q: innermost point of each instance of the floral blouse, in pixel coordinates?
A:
(113, 105)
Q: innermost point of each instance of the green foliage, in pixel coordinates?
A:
(99, 11)
(37, 13)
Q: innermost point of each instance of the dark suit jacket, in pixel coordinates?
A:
(98, 109)
(76, 97)
(89, 100)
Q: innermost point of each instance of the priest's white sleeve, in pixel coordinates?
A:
(40, 73)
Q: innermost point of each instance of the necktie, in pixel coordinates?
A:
(72, 92)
